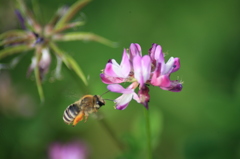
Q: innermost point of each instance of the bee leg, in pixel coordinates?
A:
(86, 117)
(78, 118)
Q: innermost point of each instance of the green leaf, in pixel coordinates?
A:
(71, 12)
(12, 33)
(67, 26)
(69, 62)
(20, 40)
(73, 64)
(13, 50)
(38, 78)
(84, 36)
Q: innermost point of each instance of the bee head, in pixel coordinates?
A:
(99, 100)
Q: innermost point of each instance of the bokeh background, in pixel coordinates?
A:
(201, 122)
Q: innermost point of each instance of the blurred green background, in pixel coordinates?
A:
(201, 122)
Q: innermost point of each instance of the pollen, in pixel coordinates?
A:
(78, 118)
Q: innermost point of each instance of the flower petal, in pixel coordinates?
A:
(168, 67)
(123, 101)
(119, 89)
(135, 49)
(111, 80)
(157, 72)
(112, 69)
(136, 97)
(162, 81)
(176, 65)
(175, 86)
(171, 66)
(137, 67)
(146, 68)
(142, 68)
(125, 64)
(155, 52)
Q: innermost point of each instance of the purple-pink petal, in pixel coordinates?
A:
(156, 54)
(123, 101)
(119, 89)
(112, 69)
(136, 97)
(176, 64)
(142, 68)
(146, 67)
(125, 63)
(164, 81)
(135, 49)
(122, 107)
(168, 67)
(175, 86)
(154, 80)
(137, 67)
(172, 65)
(111, 80)
(161, 81)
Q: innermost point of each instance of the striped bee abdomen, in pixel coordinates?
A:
(70, 113)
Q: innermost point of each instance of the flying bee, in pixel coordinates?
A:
(82, 108)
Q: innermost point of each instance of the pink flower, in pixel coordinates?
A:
(140, 71)
(71, 150)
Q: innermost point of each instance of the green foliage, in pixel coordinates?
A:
(35, 36)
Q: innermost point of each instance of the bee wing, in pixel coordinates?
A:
(97, 116)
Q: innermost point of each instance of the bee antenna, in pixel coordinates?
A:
(109, 99)
(104, 93)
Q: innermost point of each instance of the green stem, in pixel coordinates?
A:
(108, 128)
(148, 133)
(37, 77)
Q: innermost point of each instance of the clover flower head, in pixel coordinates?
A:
(141, 71)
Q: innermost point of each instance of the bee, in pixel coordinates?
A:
(82, 108)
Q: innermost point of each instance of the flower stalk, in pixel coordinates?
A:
(148, 133)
